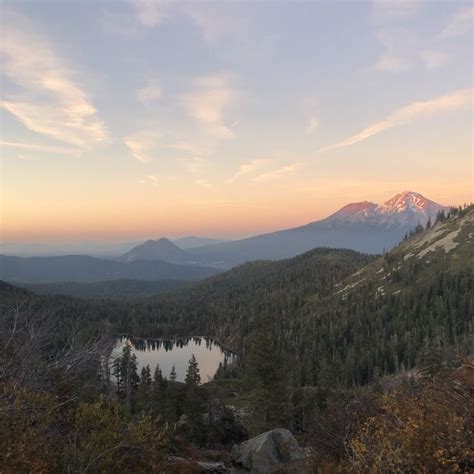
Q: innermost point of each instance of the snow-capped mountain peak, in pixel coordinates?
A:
(407, 200)
(407, 209)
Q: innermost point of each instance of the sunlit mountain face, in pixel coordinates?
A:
(406, 208)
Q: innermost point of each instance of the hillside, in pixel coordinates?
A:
(336, 314)
(81, 268)
(161, 249)
(115, 289)
(225, 305)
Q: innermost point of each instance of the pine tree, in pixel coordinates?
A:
(193, 406)
(159, 388)
(171, 401)
(173, 374)
(192, 374)
(144, 388)
(125, 372)
(266, 374)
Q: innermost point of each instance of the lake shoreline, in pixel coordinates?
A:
(225, 346)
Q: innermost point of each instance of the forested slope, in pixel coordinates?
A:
(226, 305)
(338, 317)
(419, 296)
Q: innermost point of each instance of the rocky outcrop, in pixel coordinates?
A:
(274, 451)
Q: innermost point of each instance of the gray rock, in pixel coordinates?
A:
(274, 451)
(212, 467)
(203, 467)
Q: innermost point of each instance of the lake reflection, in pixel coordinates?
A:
(208, 353)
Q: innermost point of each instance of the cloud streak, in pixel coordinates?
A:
(409, 113)
(397, 8)
(143, 145)
(149, 12)
(404, 50)
(40, 148)
(203, 183)
(50, 102)
(460, 23)
(313, 124)
(276, 174)
(248, 168)
(208, 101)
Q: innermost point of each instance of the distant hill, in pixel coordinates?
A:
(192, 241)
(114, 289)
(81, 268)
(161, 249)
(366, 227)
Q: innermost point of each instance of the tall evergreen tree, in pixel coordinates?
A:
(192, 375)
(144, 388)
(125, 372)
(193, 405)
(266, 374)
(173, 374)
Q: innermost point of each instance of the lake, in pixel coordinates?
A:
(209, 354)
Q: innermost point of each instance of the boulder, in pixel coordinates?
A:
(274, 451)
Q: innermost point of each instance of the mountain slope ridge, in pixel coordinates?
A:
(365, 227)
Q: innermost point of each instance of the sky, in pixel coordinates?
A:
(144, 118)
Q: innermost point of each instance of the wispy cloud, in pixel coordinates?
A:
(397, 8)
(391, 62)
(149, 12)
(50, 101)
(192, 164)
(150, 179)
(207, 102)
(409, 113)
(433, 59)
(143, 145)
(313, 124)
(153, 179)
(460, 23)
(150, 93)
(215, 22)
(203, 183)
(248, 168)
(41, 148)
(404, 50)
(277, 173)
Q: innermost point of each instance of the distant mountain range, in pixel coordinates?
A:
(82, 268)
(365, 226)
(192, 241)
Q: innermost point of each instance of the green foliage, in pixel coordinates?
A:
(127, 379)
(43, 433)
(192, 374)
(267, 379)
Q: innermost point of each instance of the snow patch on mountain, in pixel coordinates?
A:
(407, 208)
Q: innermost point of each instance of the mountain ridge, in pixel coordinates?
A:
(407, 207)
(365, 227)
(82, 268)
